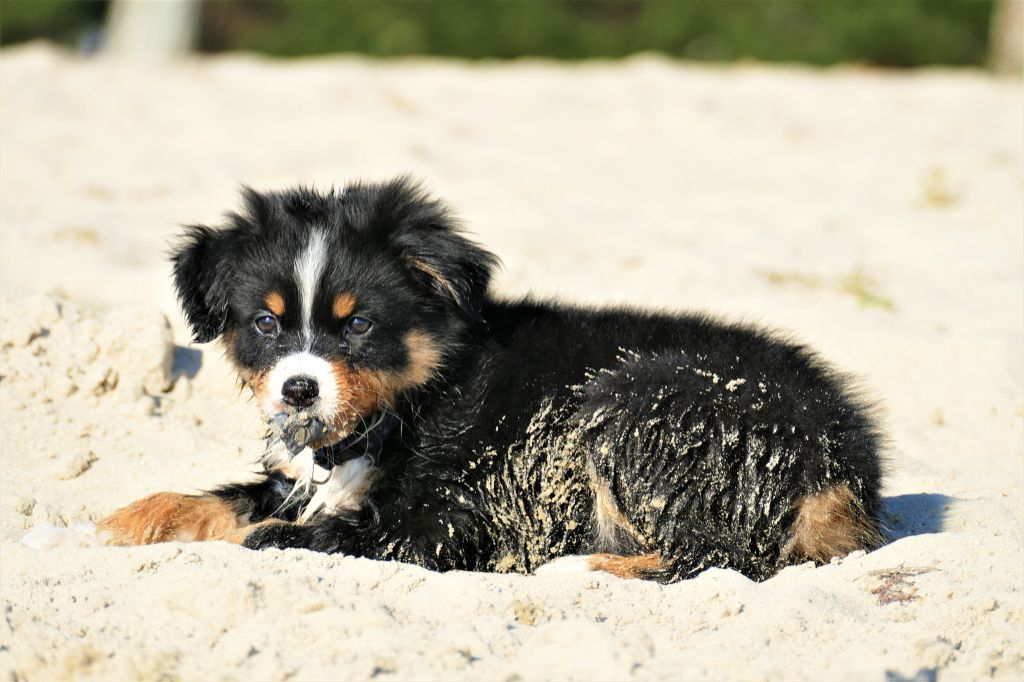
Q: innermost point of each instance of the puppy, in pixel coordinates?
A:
(413, 417)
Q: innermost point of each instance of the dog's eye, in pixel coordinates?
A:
(359, 325)
(266, 324)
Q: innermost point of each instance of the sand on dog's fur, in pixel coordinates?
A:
(877, 216)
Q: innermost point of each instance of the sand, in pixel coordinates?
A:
(878, 216)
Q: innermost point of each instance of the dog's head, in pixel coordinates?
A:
(333, 305)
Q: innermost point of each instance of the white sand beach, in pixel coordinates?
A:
(878, 216)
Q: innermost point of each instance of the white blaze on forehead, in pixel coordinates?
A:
(309, 267)
(303, 364)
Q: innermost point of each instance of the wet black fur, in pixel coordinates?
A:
(706, 433)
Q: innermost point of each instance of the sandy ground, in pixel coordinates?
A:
(879, 216)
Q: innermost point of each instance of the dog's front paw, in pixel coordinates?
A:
(277, 535)
(170, 517)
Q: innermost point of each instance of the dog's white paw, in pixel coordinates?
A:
(45, 536)
(579, 563)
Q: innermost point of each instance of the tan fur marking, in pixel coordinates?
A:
(424, 357)
(169, 517)
(275, 303)
(434, 275)
(608, 518)
(258, 385)
(829, 524)
(362, 392)
(626, 566)
(364, 389)
(344, 305)
(255, 381)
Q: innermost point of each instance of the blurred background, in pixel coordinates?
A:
(888, 33)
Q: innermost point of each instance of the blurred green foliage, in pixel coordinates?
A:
(880, 32)
(60, 20)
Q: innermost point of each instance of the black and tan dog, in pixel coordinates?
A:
(413, 417)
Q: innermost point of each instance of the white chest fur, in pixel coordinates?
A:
(344, 487)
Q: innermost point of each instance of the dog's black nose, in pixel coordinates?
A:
(300, 391)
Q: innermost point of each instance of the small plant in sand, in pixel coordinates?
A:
(937, 191)
(856, 283)
(865, 289)
(894, 585)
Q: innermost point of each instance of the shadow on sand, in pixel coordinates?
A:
(186, 362)
(906, 515)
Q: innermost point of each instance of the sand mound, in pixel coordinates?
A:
(82, 388)
(51, 351)
(936, 601)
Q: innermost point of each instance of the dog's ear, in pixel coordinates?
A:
(434, 248)
(454, 266)
(201, 279)
(202, 264)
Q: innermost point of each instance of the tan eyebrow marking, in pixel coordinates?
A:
(344, 305)
(275, 303)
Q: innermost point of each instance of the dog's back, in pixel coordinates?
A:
(676, 439)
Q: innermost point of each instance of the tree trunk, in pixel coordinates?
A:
(1006, 40)
(151, 29)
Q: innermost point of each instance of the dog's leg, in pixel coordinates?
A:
(749, 475)
(168, 517)
(218, 515)
(435, 537)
